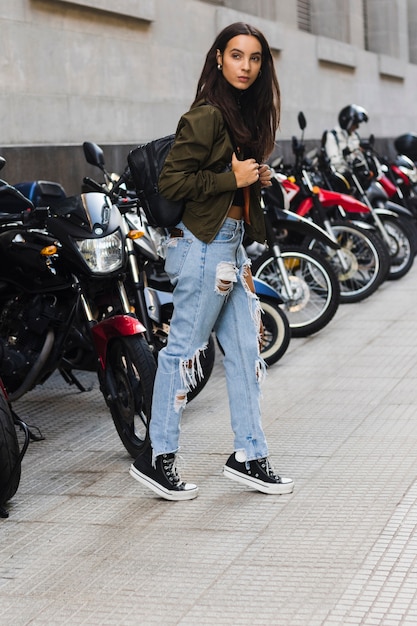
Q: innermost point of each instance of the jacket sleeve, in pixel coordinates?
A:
(333, 147)
(189, 171)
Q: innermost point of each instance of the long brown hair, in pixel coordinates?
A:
(253, 114)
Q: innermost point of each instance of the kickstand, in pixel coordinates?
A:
(29, 436)
(71, 379)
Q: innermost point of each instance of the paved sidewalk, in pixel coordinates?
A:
(86, 544)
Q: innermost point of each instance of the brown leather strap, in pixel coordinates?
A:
(246, 197)
(176, 232)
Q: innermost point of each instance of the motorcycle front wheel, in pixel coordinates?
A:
(365, 260)
(10, 469)
(127, 386)
(314, 297)
(401, 247)
(276, 331)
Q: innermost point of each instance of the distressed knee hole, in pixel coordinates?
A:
(225, 277)
(247, 280)
(191, 372)
(224, 286)
(180, 400)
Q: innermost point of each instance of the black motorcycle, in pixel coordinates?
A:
(64, 307)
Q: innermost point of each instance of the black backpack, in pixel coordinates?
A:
(145, 164)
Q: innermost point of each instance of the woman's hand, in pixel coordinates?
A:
(249, 171)
(265, 175)
(246, 172)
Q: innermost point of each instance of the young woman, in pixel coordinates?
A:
(216, 164)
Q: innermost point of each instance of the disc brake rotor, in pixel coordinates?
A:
(300, 294)
(352, 263)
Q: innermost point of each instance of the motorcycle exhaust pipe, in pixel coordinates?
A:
(31, 378)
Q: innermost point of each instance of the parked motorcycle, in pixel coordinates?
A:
(402, 172)
(148, 285)
(304, 279)
(361, 262)
(64, 307)
(393, 223)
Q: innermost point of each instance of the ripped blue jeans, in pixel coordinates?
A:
(210, 293)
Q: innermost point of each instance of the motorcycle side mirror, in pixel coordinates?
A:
(93, 154)
(2, 162)
(302, 122)
(371, 140)
(324, 139)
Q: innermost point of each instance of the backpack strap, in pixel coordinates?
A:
(334, 133)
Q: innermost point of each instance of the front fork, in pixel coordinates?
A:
(344, 264)
(279, 261)
(138, 286)
(377, 220)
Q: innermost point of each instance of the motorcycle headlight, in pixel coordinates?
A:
(104, 254)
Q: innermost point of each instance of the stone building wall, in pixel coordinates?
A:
(119, 73)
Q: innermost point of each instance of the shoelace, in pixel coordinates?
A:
(269, 470)
(171, 470)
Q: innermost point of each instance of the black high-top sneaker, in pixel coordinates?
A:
(258, 474)
(163, 478)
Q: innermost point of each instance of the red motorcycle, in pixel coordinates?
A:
(400, 182)
(360, 261)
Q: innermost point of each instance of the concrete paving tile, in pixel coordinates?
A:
(86, 544)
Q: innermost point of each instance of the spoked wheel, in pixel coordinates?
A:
(401, 247)
(315, 291)
(361, 264)
(276, 331)
(10, 469)
(128, 385)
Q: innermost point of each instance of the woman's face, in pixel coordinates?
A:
(241, 61)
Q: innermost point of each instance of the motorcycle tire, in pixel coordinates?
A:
(127, 386)
(276, 331)
(315, 288)
(10, 469)
(366, 256)
(402, 247)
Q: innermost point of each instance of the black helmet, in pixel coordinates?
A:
(407, 144)
(352, 115)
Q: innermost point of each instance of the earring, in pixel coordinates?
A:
(219, 67)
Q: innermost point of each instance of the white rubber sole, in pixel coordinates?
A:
(167, 494)
(277, 489)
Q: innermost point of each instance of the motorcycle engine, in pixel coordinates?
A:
(24, 322)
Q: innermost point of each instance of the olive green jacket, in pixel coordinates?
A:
(198, 169)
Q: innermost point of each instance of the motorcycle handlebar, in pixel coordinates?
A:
(93, 184)
(36, 216)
